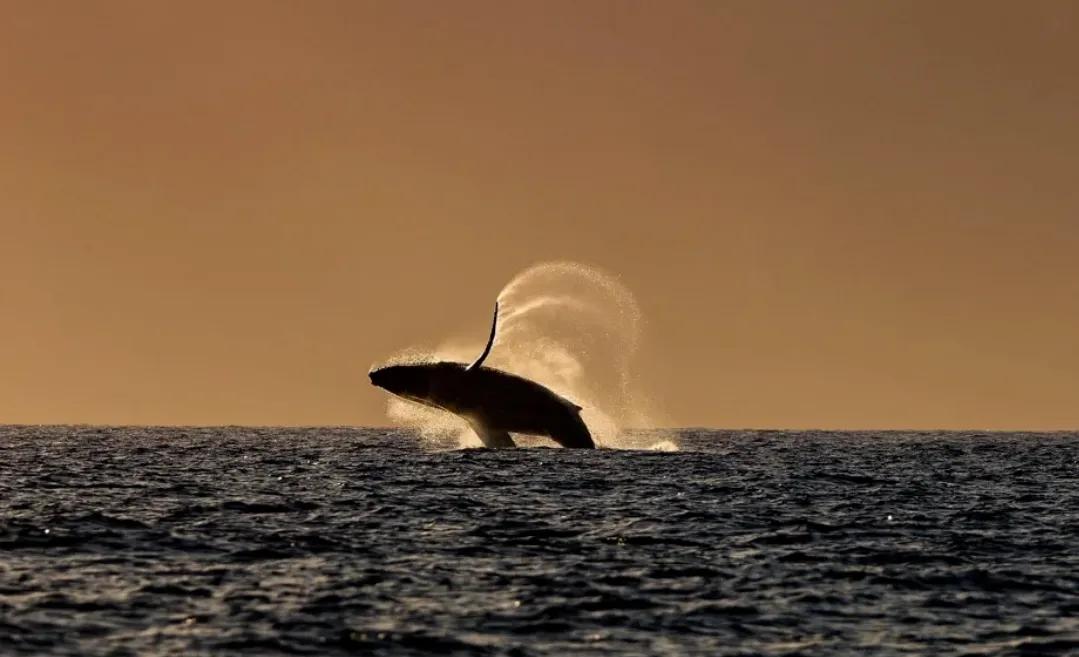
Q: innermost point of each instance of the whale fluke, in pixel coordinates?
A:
(490, 343)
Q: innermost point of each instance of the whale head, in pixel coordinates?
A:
(428, 383)
(412, 381)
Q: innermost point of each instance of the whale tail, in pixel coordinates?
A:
(573, 433)
(490, 343)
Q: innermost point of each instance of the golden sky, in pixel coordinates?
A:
(833, 214)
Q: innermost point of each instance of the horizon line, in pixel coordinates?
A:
(658, 428)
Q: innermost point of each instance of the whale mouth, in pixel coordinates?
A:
(377, 376)
(401, 380)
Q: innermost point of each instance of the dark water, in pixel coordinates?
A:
(353, 541)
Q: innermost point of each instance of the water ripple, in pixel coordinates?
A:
(236, 540)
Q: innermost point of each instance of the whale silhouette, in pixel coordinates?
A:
(493, 402)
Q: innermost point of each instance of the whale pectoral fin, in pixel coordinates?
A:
(490, 343)
(492, 437)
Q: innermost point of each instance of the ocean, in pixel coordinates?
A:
(335, 541)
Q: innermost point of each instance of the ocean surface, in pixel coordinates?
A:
(267, 541)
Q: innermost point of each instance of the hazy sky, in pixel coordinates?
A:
(833, 214)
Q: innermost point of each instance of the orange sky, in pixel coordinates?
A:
(834, 214)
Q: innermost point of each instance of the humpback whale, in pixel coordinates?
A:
(493, 402)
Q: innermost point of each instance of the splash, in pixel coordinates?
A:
(436, 428)
(572, 328)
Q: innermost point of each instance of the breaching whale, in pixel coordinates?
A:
(494, 403)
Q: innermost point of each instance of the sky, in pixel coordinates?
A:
(833, 214)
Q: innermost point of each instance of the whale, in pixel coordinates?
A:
(494, 403)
